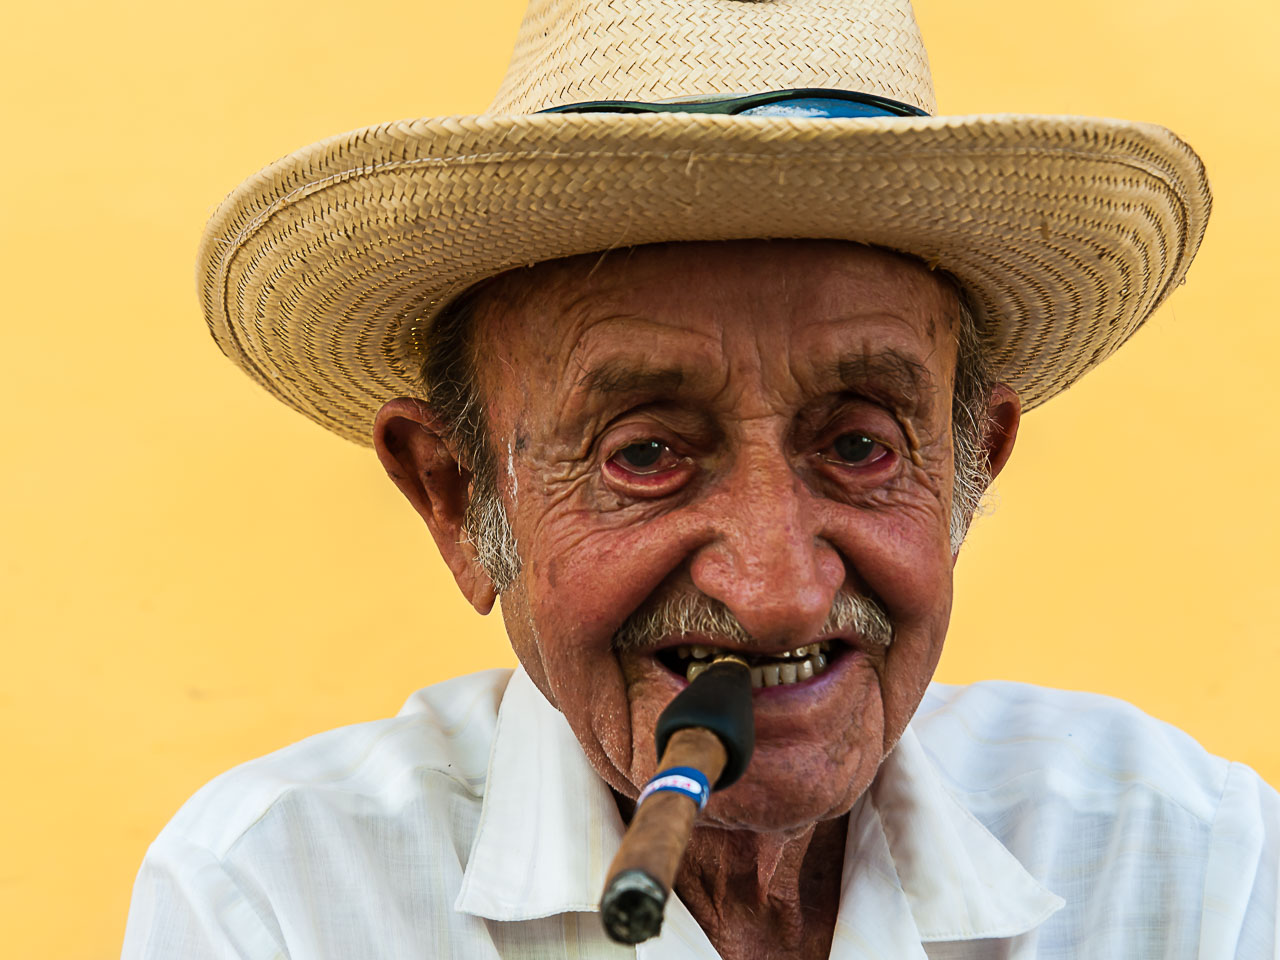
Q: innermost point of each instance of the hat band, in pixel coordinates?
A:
(814, 102)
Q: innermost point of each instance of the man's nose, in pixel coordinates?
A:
(766, 558)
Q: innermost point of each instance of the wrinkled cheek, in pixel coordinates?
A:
(855, 747)
(585, 584)
(576, 670)
(908, 667)
(917, 590)
(581, 586)
(910, 571)
(646, 699)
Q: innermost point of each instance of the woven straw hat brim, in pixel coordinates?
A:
(319, 275)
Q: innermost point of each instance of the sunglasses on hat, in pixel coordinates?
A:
(804, 102)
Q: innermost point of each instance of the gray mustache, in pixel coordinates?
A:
(696, 613)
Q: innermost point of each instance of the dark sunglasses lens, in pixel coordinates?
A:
(825, 107)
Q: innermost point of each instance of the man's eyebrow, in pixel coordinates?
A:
(887, 374)
(614, 377)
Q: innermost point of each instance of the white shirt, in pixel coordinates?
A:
(1011, 821)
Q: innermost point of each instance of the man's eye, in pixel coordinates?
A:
(645, 456)
(856, 448)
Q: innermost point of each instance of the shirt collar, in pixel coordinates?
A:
(919, 867)
(915, 853)
(549, 825)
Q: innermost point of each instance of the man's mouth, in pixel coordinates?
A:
(767, 670)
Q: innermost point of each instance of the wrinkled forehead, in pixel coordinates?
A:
(717, 303)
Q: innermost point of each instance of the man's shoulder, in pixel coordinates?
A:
(1007, 741)
(439, 740)
(1153, 843)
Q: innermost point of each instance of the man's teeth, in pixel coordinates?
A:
(802, 663)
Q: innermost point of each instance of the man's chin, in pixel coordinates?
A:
(787, 789)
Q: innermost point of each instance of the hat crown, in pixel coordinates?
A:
(569, 51)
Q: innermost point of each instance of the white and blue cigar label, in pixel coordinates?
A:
(686, 780)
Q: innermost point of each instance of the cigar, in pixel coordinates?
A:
(704, 740)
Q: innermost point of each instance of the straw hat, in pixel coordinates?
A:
(319, 275)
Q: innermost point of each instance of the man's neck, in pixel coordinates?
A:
(759, 895)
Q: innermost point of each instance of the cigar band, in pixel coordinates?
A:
(686, 780)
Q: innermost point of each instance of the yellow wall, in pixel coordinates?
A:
(193, 575)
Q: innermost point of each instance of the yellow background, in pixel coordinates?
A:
(193, 575)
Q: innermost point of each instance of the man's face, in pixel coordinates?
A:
(762, 423)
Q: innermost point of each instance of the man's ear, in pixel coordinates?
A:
(410, 442)
(1004, 412)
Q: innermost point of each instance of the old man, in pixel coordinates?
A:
(709, 337)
